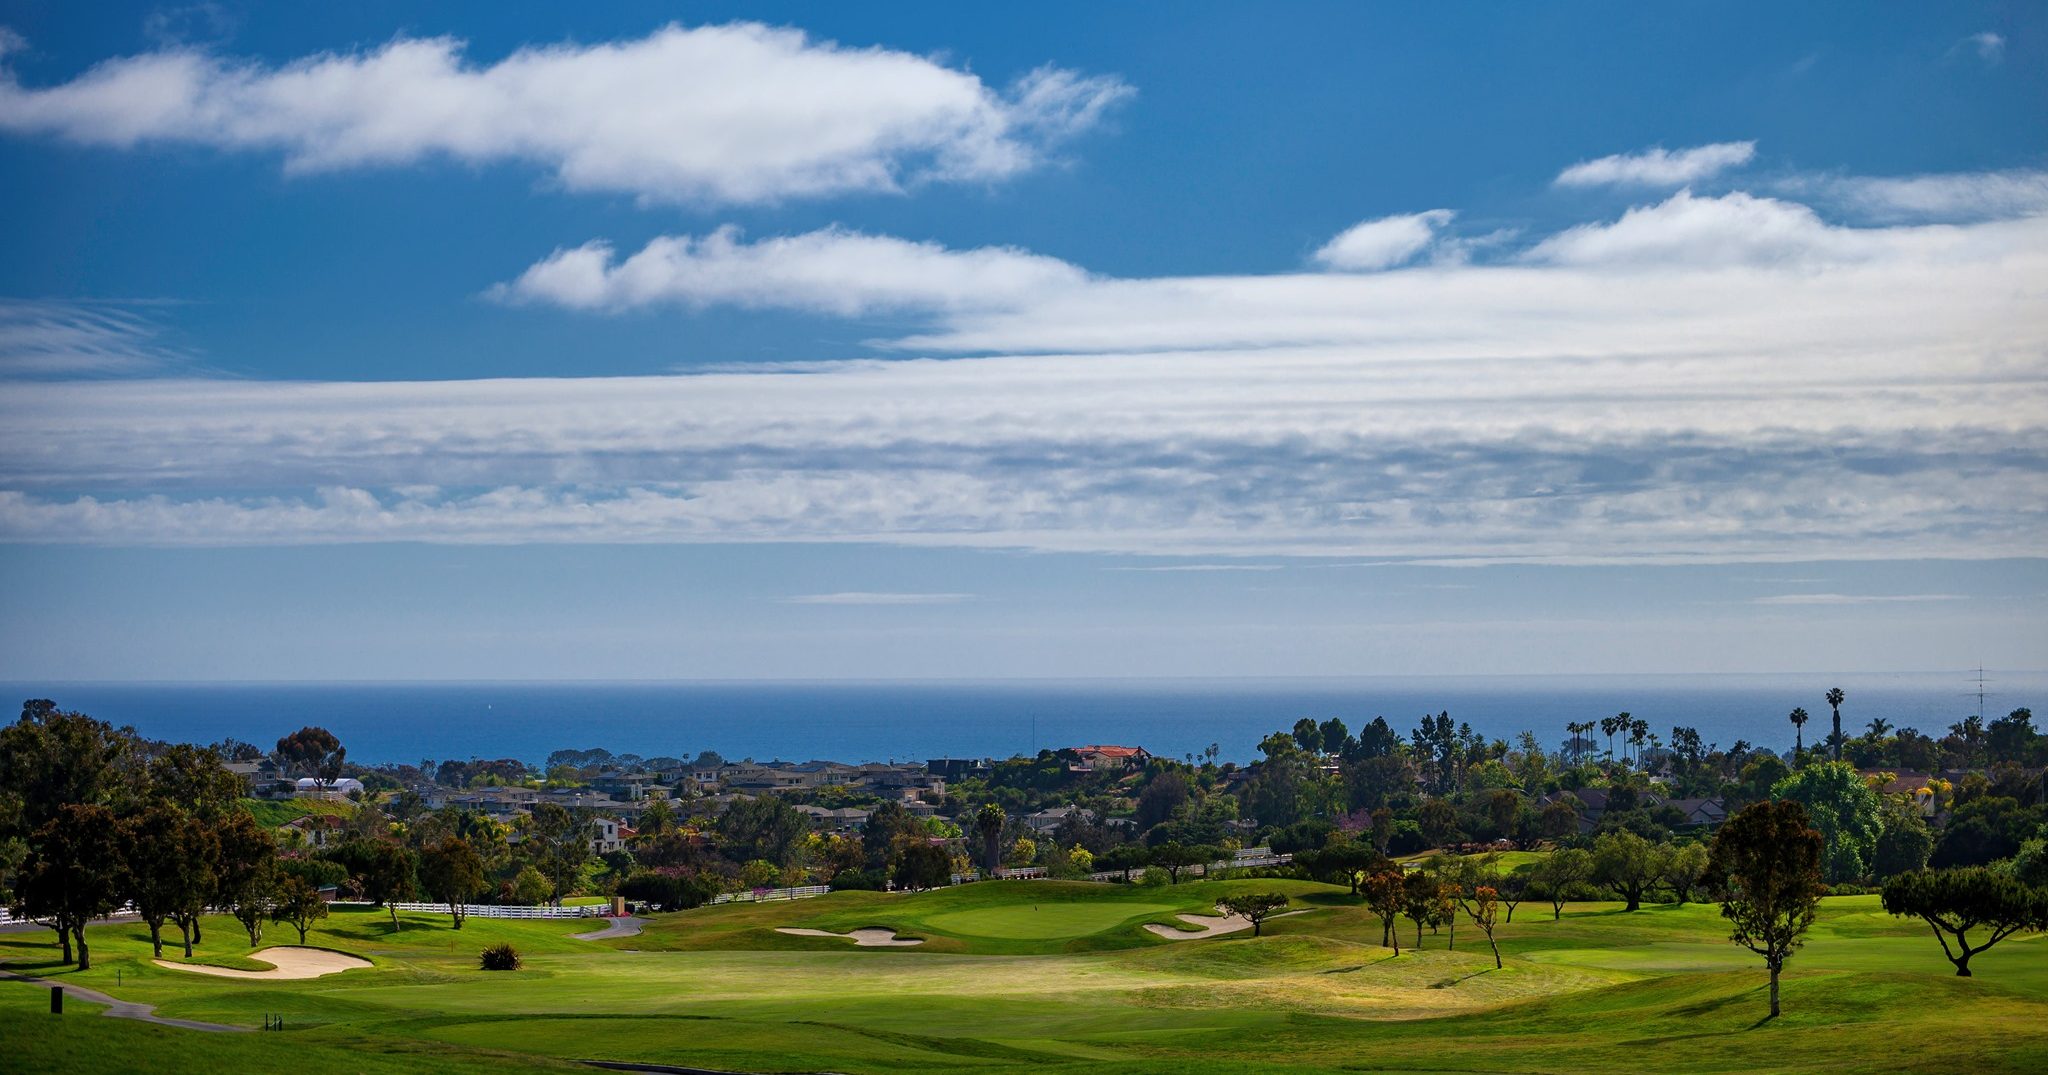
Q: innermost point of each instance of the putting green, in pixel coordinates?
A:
(1043, 921)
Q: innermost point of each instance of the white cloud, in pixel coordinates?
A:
(1957, 197)
(1855, 599)
(736, 113)
(866, 598)
(1658, 167)
(1382, 243)
(832, 271)
(1988, 46)
(1701, 380)
(49, 338)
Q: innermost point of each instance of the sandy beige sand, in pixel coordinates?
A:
(286, 962)
(1211, 926)
(865, 938)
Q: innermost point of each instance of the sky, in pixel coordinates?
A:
(486, 341)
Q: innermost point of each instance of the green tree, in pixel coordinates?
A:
(1254, 907)
(72, 874)
(1846, 812)
(1560, 876)
(1799, 719)
(988, 824)
(298, 903)
(1684, 867)
(1422, 901)
(1124, 858)
(313, 750)
(1765, 866)
(1954, 902)
(1175, 857)
(1482, 905)
(1903, 845)
(1835, 698)
(390, 875)
(766, 827)
(529, 886)
(1627, 864)
(244, 871)
(160, 871)
(923, 865)
(453, 872)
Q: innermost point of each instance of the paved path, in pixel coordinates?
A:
(628, 926)
(122, 1009)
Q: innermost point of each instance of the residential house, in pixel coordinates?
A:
(1099, 758)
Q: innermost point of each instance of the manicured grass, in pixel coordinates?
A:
(272, 813)
(1047, 975)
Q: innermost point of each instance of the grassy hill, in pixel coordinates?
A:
(1044, 975)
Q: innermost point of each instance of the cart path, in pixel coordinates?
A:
(123, 1009)
(628, 926)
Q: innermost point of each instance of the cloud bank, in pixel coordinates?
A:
(739, 113)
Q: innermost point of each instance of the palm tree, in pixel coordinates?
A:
(1835, 697)
(1880, 727)
(1799, 719)
(1637, 729)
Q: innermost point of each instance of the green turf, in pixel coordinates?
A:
(1062, 976)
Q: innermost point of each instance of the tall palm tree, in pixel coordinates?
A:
(1637, 730)
(1835, 697)
(1799, 719)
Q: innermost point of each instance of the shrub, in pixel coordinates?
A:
(500, 957)
(1154, 877)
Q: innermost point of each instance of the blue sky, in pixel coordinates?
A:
(780, 340)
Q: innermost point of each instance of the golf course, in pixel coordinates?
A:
(1047, 975)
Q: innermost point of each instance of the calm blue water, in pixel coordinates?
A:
(899, 721)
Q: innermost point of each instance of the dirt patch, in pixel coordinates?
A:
(872, 937)
(286, 963)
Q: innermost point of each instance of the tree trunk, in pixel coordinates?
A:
(1774, 989)
(1962, 963)
(196, 938)
(84, 953)
(64, 938)
(393, 908)
(156, 936)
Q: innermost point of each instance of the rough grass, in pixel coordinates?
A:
(1045, 975)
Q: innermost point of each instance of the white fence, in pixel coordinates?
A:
(764, 895)
(493, 910)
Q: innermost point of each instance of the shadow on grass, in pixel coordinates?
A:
(1361, 966)
(1448, 983)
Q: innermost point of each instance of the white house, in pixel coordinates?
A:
(309, 787)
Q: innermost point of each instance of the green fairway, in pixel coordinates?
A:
(1054, 975)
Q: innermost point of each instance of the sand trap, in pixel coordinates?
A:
(287, 962)
(865, 938)
(1210, 925)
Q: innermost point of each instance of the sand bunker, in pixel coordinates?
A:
(866, 938)
(1209, 925)
(288, 962)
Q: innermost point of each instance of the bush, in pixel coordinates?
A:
(1155, 877)
(858, 881)
(500, 957)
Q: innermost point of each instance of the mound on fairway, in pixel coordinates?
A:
(287, 962)
(1043, 921)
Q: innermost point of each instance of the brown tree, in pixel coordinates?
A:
(453, 873)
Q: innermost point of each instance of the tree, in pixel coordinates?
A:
(924, 865)
(1904, 844)
(1848, 815)
(390, 875)
(1765, 867)
(1385, 891)
(314, 750)
(194, 779)
(51, 759)
(1344, 860)
(160, 871)
(1439, 822)
(988, 824)
(529, 886)
(761, 828)
(1254, 907)
(72, 874)
(1481, 907)
(1627, 864)
(1954, 902)
(1421, 901)
(1684, 867)
(1835, 699)
(557, 842)
(244, 871)
(1175, 857)
(1560, 875)
(1124, 858)
(298, 903)
(453, 873)
(1799, 719)
(888, 824)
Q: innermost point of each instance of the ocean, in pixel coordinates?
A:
(897, 721)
